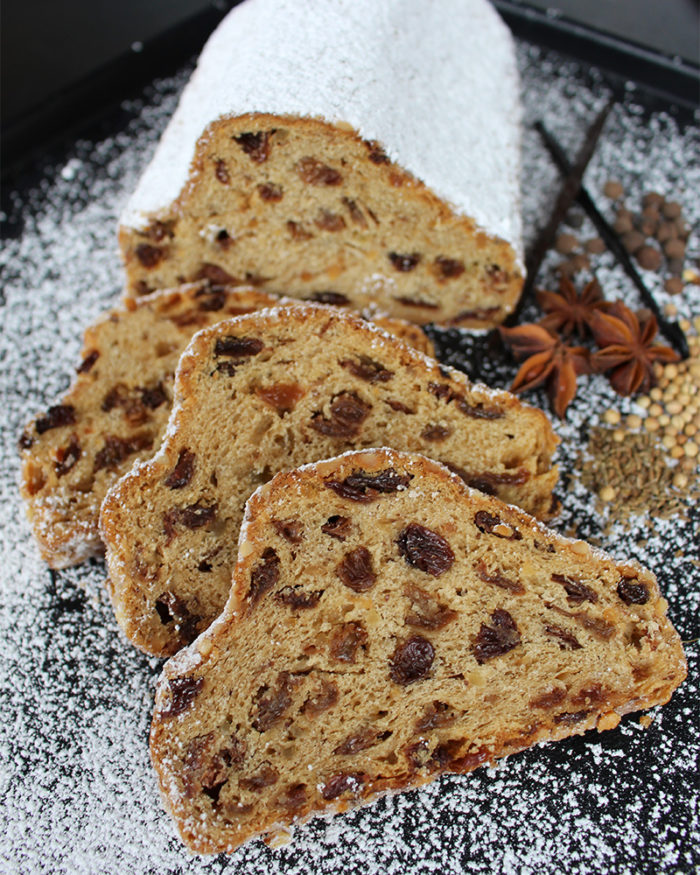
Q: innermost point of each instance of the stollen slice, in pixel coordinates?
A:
(116, 410)
(386, 625)
(268, 392)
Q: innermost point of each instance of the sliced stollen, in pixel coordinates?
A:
(387, 624)
(270, 391)
(116, 410)
(370, 151)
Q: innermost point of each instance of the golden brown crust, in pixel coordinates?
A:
(264, 721)
(272, 391)
(347, 222)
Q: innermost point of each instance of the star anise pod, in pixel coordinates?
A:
(626, 348)
(547, 360)
(568, 311)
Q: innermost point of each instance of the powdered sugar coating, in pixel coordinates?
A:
(435, 83)
(78, 792)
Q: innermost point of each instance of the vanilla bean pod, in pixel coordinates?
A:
(567, 195)
(671, 330)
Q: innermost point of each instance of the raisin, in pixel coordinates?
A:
(266, 776)
(294, 797)
(474, 410)
(25, 441)
(426, 612)
(291, 530)
(223, 239)
(363, 487)
(182, 472)
(170, 608)
(214, 772)
(416, 754)
(214, 300)
(497, 275)
(553, 697)
(424, 549)
(315, 172)
(271, 192)
(434, 432)
(265, 575)
(158, 231)
(66, 457)
(183, 692)
(322, 700)
(283, 397)
(355, 212)
(570, 718)
(448, 268)
(595, 694)
(341, 783)
(482, 314)
(87, 363)
(498, 638)
(567, 641)
(55, 417)
(357, 741)
(355, 570)
(365, 368)
(121, 396)
(404, 262)
(399, 407)
(214, 274)
(296, 598)
(327, 220)
(377, 155)
(116, 449)
(346, 640)
(348, 412)
(596, 625)
(255, 145)
(237, 347)
(337, 527)
(204, 566)
(435, 714)
(154, 396)
(632, 591)
(334, 299)
(492, 524)
(149, 256)
(298, 231)
(489, 482)
(417, 302)
(466, 763)
(195, 516)
(498, 579)
(576, 592)
(221, 171)
(271, 704)
(411, 660)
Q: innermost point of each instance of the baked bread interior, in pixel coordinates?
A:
(387, 624)
(270, 391)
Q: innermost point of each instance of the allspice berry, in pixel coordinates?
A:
(652, 198)
(632, 241)
(566, 244)
(674, 248)
(624, 221)
(671, 209)
(666, 231)
(613, 189)
(595, 246)
(648, 258)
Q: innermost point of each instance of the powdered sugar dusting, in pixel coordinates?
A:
(353, 61)
(79, 795)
